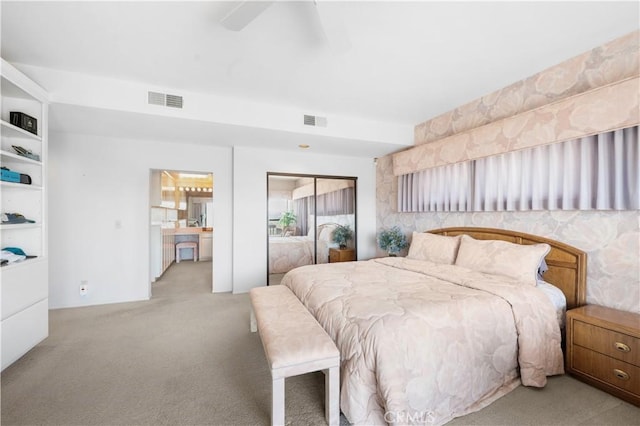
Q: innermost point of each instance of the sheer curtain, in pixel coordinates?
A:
(330, 204)
(445, 188)
(599, 172)
(302, 208)
(336, 202)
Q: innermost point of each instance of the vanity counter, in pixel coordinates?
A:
(203, 236)
(187, 231)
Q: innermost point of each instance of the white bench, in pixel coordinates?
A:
(294, 343)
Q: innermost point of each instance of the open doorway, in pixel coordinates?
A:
(181, 212)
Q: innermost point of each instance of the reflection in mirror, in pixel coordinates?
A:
(304, 213)
(200, 212)
(335, 208)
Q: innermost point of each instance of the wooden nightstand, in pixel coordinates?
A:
(341, 255)
(603, 349)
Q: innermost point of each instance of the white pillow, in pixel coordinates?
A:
(434, 248)
(519, 262)
(557, 297)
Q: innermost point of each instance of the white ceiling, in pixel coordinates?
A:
(405, 62)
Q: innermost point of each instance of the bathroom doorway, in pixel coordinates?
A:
(181, 214)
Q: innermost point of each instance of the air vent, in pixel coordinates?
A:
(309, 120)
(162, 99)
(174, 101)
(156, 98)
(312, 120)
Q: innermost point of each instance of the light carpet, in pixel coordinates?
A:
(186, 357)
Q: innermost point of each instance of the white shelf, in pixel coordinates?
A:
(13, 156)
(24, 285)
(23, 263)
(20, 186)
(9, 226)
(12, 130)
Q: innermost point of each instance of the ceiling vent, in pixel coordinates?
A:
(314, 120)
(162, 99)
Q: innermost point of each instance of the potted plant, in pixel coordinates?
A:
(392, 240)
(341, 235)
(286, 219)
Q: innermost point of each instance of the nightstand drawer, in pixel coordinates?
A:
(609, 370)
(617, 345)
(341, 255)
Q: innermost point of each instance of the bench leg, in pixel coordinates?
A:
(253, 325)
(277, 402)
(332, 396)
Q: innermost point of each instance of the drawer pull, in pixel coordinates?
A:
(622, 347)
(620, 374)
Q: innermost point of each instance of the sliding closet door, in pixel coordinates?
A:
(290, 199)
(304, 212)
(335, 209)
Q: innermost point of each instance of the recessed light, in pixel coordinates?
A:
(303, 146)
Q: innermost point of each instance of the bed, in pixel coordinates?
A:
(289, 252)
(458, 323)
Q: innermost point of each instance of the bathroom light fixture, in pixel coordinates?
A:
(303, 146)
(194, 189)
(193, 175)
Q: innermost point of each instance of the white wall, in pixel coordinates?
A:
(95, 183)
(250, 167)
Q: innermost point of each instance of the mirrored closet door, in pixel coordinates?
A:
(311, 219)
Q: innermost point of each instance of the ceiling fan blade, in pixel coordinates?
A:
(243, 13)
(333, 28)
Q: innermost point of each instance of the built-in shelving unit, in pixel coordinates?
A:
(24, 284)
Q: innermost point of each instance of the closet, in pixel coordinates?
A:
(308, 218)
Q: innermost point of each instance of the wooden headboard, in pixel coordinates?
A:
(567, 265)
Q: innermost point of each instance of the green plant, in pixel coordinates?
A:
(342, 234)
(392, 240)
(287, 218)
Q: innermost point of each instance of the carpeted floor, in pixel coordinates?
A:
(186, 357)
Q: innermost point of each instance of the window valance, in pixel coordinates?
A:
(600, 110)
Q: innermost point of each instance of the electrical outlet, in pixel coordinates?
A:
(84, 288)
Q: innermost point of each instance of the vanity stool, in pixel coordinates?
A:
(187, 245)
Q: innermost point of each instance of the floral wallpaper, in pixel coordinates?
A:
(597, 89)
(606, 64)
(603, 109)
(611, 239)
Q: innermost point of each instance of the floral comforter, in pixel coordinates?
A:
(424, 343)
(287, 253)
